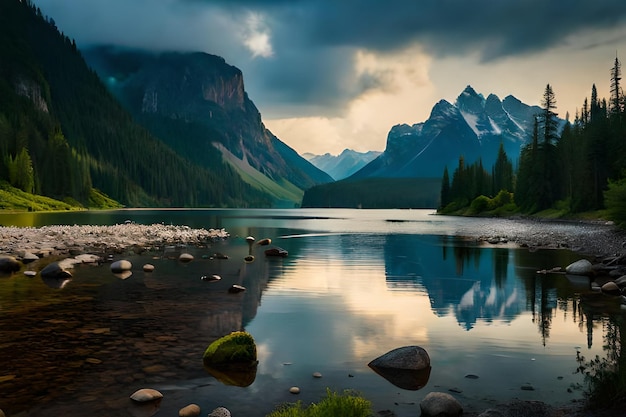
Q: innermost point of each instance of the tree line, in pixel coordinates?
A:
(63, 135)
(579, 167)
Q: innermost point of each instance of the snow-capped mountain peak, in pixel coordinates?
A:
(472, 127)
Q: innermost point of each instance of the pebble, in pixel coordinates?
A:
(185, 257)
(317, 375)
(294, 390)
(30, 273)
(148, 268)
(210, 278)
(234, 289)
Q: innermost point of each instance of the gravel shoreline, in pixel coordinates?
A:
(81, 239)
(588, 238)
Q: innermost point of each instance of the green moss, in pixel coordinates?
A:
(237, 347)
(348, 404)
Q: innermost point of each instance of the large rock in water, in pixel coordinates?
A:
(9, 264)
(581, 267)
(55, 271)
(408, 357)
(237, 347)
(232, 359)
(406, 367)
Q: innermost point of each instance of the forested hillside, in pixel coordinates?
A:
(63, 135)
(582, 168)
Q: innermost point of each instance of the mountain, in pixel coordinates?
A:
(343, 165)
(473, 127)
(64, 135)
(197, 104)
(408, 173)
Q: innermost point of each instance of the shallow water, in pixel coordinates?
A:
(356, 284)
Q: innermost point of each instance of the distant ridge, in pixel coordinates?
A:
(343, 165)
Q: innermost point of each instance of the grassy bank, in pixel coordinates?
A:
(15, 200)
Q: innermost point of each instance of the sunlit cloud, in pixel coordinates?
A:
(396, 89)
(257, 36)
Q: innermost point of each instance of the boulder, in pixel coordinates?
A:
(121, 266)
(145, 395)
(232, 359)
(621, 281)
(581, 267)
(235, 348)
(440, 404)
(408, 357)
(9, 264)
(192, 410)
(55, 271)
(611, 288)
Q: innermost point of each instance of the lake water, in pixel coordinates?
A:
(356, 284)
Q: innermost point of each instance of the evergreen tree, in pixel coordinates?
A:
(616, 106)
(502, 172)
(445, 188)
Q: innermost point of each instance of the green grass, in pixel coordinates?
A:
(14, 199)
(348, 404)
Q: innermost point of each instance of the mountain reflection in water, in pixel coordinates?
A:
(353, 287)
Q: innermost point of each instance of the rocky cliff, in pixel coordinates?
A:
(197, 103)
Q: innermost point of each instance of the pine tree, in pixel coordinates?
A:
(445, 188)
(616, 105)
(502, 172)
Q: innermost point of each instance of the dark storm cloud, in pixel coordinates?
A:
(313, 40)
(495, 28)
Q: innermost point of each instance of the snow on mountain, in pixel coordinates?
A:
(342, 165)
(472, 127)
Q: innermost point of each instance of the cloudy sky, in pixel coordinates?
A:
(334, 74)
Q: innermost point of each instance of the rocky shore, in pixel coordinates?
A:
(99, 240)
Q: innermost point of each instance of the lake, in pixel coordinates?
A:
(356, 284)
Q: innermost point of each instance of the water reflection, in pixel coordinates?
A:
(336, 302)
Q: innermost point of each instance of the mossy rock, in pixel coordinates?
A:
(235, 348)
